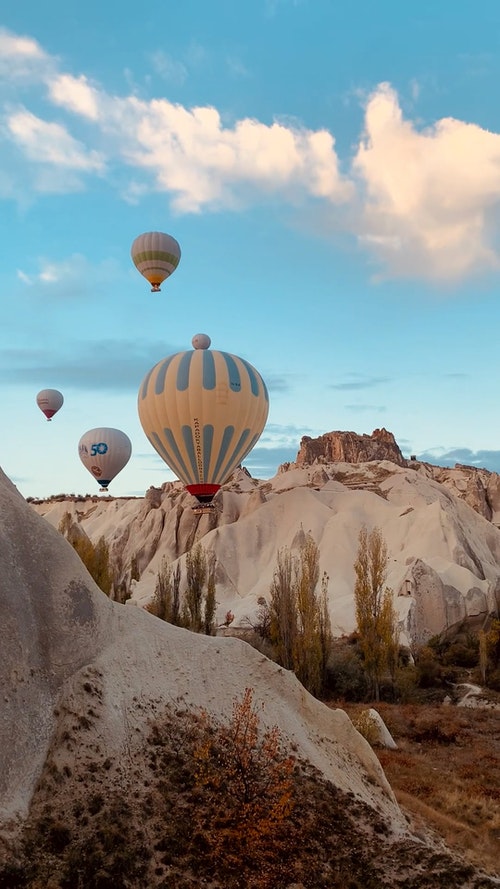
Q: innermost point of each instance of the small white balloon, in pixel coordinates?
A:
(49, 401)
(201, 341)
(104, 452)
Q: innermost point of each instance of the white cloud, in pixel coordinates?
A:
(422, 202)
(205, 163)
(50, 143)
(13, 46)
(429, 194)
(21, 56)
(75, 94)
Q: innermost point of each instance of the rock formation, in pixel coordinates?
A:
(349, 447)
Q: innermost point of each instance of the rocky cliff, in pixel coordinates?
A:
(349, 447)
(444, 555)
(478, 487)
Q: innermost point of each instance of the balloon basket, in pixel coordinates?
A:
(204, 509)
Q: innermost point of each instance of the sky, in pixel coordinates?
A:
(332, 175)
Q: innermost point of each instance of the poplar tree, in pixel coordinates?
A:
(299, 619)
(308, 656)
(283, 610)
(210, 601)
(375, 616)
(196, 570)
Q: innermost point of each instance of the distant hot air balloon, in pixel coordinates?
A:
(104, 452)
(156, 255)
(203, 411)
(49, 401)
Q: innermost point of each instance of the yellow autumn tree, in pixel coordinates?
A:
(299, 618)
(375, 616)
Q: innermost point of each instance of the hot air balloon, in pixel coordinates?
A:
(156, 255)
(203, 411)
(49, 401)
(104, 452)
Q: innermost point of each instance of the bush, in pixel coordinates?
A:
(346, 678)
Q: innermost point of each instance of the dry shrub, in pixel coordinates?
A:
(243, 830)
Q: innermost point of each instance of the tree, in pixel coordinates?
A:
(248, 777)
(94, 557)
(375, 616)
(210, 600)
(176, 596)
(308, 654)
(162, 605)
(324, 628)
(283, 610)
(196, 570)
(299, 620)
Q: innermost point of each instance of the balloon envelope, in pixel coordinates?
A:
(104, 452)
(155, 255)
(203, 411)
(49, 401)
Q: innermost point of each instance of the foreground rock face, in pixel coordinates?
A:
(85, 683)
(89, 672)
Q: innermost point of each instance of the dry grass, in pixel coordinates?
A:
(446, 773)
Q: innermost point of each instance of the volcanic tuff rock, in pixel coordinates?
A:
(478, 487)
(87, 675)
(444, 557)
(349, 447)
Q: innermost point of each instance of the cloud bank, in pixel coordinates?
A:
(421, 202)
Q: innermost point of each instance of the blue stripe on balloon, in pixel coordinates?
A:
(237, 455)
(226, 441)
(187, 435)
(254, 383)
(266, 393)
(183, 371)
(162, 372)
(208, 370)
(250, 446)
(233, 372)
(173, 456)
(145, 383)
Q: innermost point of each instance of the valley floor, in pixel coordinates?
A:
(446, 773)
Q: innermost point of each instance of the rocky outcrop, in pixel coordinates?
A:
(431, 517)
(82, 678)
(349, 447)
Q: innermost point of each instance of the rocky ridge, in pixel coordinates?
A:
(440, 526)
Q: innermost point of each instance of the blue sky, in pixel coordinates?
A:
(332, 174)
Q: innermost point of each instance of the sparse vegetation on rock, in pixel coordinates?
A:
(223, 804)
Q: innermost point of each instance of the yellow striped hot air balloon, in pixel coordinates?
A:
(155, 255)
(203, 411)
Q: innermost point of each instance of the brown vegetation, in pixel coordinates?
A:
(202, 803)
(446, 773)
